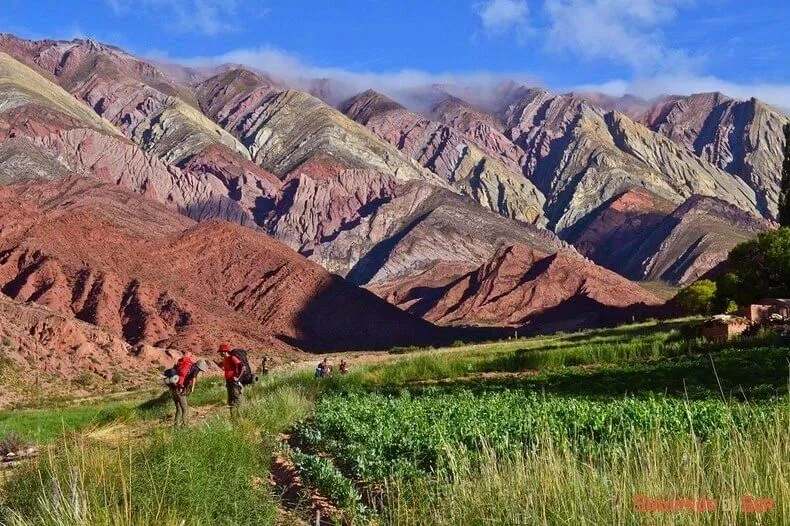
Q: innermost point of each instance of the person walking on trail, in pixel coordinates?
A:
(343, 367)
(182, 385)
(234, 369)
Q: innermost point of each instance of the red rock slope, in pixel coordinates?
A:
(521, 287)
(48, 353)
(146, 274)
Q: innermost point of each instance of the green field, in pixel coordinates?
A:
(567, 429)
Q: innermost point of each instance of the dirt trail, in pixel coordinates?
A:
(296, 498)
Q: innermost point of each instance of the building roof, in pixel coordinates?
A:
(774, 301)
(726, 319)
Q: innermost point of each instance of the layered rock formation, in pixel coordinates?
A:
(494, 181)
(195, 164)
(691, 241)
(394, 200)
(580, 157)
(416, 227)
(289, 132)
(743, 138)
(349, 199)
(613, 233)
(484, 129)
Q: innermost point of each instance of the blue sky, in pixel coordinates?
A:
(640, 46)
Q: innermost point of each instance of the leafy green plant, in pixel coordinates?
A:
(320, 473)
(379, 436)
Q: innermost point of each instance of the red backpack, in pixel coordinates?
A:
(183, 366)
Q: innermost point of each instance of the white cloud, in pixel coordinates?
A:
(624, 31)
(681, 84)
(410, 87)
(413, 87)
(499, 16)
(206, 17)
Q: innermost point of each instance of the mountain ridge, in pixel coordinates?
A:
(394, 199)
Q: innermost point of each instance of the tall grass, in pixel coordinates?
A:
(612, 346)
(206, 476)
(46, 425)
(551, 484)
(212, 474)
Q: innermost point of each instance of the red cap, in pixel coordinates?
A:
(224, 348)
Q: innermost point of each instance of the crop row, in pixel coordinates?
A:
(378, 435)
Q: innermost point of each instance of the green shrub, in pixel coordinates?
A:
(85, 379)
(697, 298)
(757, 269)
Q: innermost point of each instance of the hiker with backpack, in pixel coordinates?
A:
(324, 369)
(238, 373)
(180, 379)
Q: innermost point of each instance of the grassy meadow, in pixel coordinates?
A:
(634, 425)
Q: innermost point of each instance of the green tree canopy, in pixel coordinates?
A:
(784, 191)
(757, 269)
(697, 298)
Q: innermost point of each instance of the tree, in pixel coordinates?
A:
(784, 191)
(697, 298)
(757, 269)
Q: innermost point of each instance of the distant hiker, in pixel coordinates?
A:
(343, 367)
(264, 366)
(234, 369)
(181, 382)
(324, 369)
